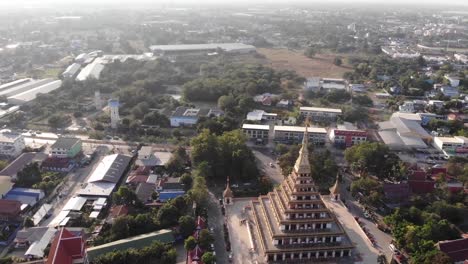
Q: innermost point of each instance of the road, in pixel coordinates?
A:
(72, 183)
(216, 221)
(265, 158)
(383, 239)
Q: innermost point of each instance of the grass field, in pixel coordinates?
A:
(320, 66)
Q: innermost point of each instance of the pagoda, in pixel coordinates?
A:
(293, 224)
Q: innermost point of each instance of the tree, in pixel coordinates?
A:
(167, 215)
(199, 192)
(208, 258)
(3, 164)
(28, 222)
(363, 100)
(190, 243)
(29, 175)
(227, 103)
(205, 239)
(338, 61)
(125, 196)
(186, 225)
(120, 228)
(186, 179)
(310, 52)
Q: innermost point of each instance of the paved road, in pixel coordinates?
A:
(216, 220)
(72, 185)
(264, 158)
(383, 239)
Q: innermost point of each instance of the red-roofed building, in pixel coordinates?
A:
(435, 172)
(117, 211)
(195, 255)
(57, 164)
(201, 223)
(396, 193)
(456, 249)
(67, 248)
(454, 185)
(10, 210)
(419, 183)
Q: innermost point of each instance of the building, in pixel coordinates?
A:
(106, 176)
(184, 116)
(253, 131)
(407, 107)
(347, 135)
(293, 224)
(450, 91)
(452, 146)
(114, 112)
(27, 196)
(67, 248)
(11, 144)
(19, 163)
(187, 49)
(320, 114)
(260, 115)
(14, 88)
(420, 183)
(92, 70)
(325, 84)
(149, 158)
(71, 71)
(404, 131)
(31, 94)
(454, 80)
(164, 236)
(66, 147)
(456, 249)
(5, 185)
(295, 134)
(10, 210)
(396, 194)
(266, 98)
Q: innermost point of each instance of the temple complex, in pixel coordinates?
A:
(293, 225)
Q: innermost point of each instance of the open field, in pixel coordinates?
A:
(320, 66)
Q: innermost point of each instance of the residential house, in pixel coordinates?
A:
(456, 249)
(454, 80)
(266, 98)
(27, 196)
(184, 116)
(396, 194)
(10, 210)
(149, 158)
(420, 183)
(284, 103)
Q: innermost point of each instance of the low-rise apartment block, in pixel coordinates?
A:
(347, 136)
(252, 131)
(452, 146)
(320, 114)
(294, 134)
(11, 144)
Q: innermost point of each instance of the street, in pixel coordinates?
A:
(265, 158)
(216, 221)
(382, 239)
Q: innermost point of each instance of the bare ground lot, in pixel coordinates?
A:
(320, 66)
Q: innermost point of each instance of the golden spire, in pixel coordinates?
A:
(302, 165)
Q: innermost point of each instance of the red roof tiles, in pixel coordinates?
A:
(456, 249)
(66, 247)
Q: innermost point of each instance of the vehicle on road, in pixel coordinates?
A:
(272, 165)
(230, 257)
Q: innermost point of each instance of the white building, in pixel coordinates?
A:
(326, 84)
(92, 70)
(449, 91)
(436, 103)
(404, 131)
(11, 144)
(71, 71)
(181, 49)
(28, 96)
(252, 131)
(407, 107)
(454, 80)
(320, 114)
(259, 115)
(451, 146)
(114, 112)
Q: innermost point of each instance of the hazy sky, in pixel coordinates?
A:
(44, 2)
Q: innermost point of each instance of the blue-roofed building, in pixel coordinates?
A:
(164, 196)
(25, 195)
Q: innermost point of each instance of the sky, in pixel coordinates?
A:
(422, 2)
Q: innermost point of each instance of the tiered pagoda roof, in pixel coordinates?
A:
(293, 223)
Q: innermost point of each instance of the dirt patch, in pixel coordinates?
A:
(320, 66)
